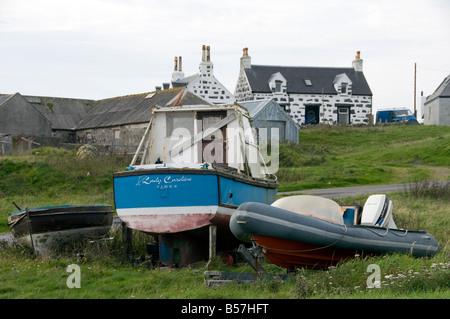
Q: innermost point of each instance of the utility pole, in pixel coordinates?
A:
(415, 76)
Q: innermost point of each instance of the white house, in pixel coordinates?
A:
(204, 84)
(311, 95)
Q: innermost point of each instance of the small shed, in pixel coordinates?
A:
(437, 105)
(268, 114)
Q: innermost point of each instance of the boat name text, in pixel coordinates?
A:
(147, 180)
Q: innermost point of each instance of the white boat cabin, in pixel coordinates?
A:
(195, 136)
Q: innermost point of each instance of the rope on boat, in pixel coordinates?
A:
(387, 231)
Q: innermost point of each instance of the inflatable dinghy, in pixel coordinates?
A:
(310, 231)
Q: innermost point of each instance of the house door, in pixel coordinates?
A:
(344, 115)
(213, 145)
(312, 114)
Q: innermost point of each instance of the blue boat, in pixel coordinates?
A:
(197, 165)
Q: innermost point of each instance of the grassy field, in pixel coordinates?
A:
(334, 156)
(326, 157)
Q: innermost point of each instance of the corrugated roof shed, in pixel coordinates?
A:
(63, 113)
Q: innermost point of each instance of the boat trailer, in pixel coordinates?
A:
(252, 256)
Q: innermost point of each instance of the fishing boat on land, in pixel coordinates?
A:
(315, 232)
(198, 163)
(48, 229)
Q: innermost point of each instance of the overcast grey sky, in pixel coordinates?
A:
(105, 48)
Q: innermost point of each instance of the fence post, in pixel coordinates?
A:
(212, 241)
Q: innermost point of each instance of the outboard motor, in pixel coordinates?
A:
(377, 211)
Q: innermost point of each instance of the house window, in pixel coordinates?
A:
(277, 86)
(344, 88)
(308, 82)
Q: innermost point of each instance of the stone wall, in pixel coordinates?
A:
(295, 104)
(122, 139)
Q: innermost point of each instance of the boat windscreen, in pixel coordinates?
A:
(315, 206)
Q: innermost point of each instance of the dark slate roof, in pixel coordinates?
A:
(320, 77)
(132, 109)
(63, 113)
(443, 90)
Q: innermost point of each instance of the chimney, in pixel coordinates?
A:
(358, 62)
(204, 53)
(177, 74)
(246, 61)
(206, 66)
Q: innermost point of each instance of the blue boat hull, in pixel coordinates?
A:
(173, 200)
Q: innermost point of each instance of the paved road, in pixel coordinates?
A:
(340, 192)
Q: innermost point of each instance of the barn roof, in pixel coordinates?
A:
(62, 113)
(132, 109)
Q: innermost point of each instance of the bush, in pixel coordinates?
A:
(87, 151)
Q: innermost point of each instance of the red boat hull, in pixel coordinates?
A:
(293, 254)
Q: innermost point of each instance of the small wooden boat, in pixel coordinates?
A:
(315, 232)
(47, 229)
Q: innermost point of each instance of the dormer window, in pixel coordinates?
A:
(278, 86)
(343, 84)
(277, 83)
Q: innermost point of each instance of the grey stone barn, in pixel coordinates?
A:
(437, 105)
(31, 121)
(268, 114)
(117, 124)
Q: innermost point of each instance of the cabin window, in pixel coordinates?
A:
(180, 120)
